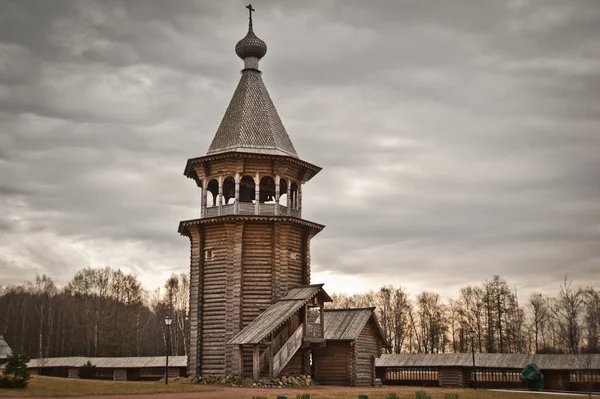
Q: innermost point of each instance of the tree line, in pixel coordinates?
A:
(568, 322)
(105, 312)
(99, 313)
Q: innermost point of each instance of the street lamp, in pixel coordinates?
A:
(168, 321)
(471, 333)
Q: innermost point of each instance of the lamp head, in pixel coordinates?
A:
(168, 320)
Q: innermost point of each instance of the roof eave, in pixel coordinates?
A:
(184, 224)
(190, 172)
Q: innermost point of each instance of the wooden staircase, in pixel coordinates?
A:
(287, 351)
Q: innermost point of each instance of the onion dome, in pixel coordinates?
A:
(251, 46)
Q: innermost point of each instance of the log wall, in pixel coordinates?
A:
(214, 295)
(195, 302)
(333, 363)
(237, 270)
(120, 374)
(367, 347)
(452, 377)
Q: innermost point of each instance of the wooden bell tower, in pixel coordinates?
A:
(250, 246)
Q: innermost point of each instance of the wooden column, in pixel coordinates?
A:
(257, 194)
(270, 357)
(289, 198)
(322, 321)
(236, 206)
(255, 362)
(204, 198)
(220, 195)
(277, 181)
(241, 361)
(299, 200)
(305, 320)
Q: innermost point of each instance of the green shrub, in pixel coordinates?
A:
(16, 374)
(12, 382)
(303, 396)
(87, 371)
(392, 395)
(450, 396)
(422, 395)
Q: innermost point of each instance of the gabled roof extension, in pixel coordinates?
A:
(278, 313)
(347, 324)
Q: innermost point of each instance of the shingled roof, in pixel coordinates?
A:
(278, 313)
(251, 122)
(347, 324)
(109, 362)
(491, 360)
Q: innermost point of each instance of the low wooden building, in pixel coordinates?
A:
(492, 370)
(111, 368)
(353, 340)
(5, 350)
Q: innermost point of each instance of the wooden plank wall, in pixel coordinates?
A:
(367, 345)
(451, 377)
(295, 365)
(251, 267)
(332, 364)
(295, 270)
(214, 295)
(120, 374)
(73, 373)
(195, 327)
(290, 271)
(257, 271)
(235, 233)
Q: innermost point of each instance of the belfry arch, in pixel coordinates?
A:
(267, 190)
(229, 190)
(247, 189)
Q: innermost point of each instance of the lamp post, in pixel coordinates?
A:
(471, 333)
(168, 321)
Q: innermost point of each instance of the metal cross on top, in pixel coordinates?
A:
(250, 9)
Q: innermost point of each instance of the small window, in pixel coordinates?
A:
(293, 255)
(208, 254)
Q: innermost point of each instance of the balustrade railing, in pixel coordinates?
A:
(249, 208)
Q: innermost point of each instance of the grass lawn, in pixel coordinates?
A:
(48, 386)
(51, 386)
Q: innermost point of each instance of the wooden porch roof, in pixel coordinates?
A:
(278, 313)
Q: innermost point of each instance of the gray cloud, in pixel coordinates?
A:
(458, 140)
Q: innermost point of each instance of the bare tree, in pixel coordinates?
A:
(567, 311)
(592, 320)
(539, 316)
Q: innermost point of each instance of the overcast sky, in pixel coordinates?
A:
(458, 139)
